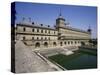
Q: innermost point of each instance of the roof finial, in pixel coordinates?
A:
(89, 29)
(29, 19)
(23, 19)
(60, 12)
(60, 15)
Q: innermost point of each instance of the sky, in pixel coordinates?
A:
(80, 17)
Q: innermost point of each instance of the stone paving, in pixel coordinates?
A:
(27, 61)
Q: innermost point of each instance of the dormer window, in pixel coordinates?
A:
(33, 23)
(48, 25)
(41, 24)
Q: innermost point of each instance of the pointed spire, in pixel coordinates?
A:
(60, 14)
(23, 19)
(29, 19)
(89, 29)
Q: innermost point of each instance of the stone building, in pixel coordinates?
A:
(62, 35)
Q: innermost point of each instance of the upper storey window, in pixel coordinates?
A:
(49, 38)
(37, 38)
(41, 38)
(45, 38)
(49, 31)
(65, 43)
(75, 42)
(37, 30)
(24, 29)
(45, 31)
(32, 30)
(24, 38)
(41, 31)
(54, 32)
(41, 24)
(32, 38)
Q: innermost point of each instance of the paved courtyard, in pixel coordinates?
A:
(27, 60)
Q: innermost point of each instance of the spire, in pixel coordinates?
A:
(29, 19)
(23, 19)
(60, 14)
(89, 29)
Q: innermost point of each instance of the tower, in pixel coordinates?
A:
(60, 21)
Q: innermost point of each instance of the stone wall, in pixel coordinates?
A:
(45, 38)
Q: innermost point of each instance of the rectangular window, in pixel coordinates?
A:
(49, 31)
(45, 38)
(41, 38)
(24, 38)
(32, 38)
(41, 31)
(32, 30)
(37, 38)
(24, 29)
(49, 38)
(54, 32)
(37, 30)
(45, 31)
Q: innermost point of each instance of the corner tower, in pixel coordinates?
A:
(60, 21)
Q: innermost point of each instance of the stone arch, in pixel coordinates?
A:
(54, 43)
(82, 43)
(45, 44)
(65, 42)
(68, 42)
(37, 44)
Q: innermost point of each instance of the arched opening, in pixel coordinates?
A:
(37, 44)
(68, 42)
(45, 44)
(60, 43)
(65, 42)
(75, 42)
(54, 43)
(82, 43)
(71, 42)
(24, 38)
